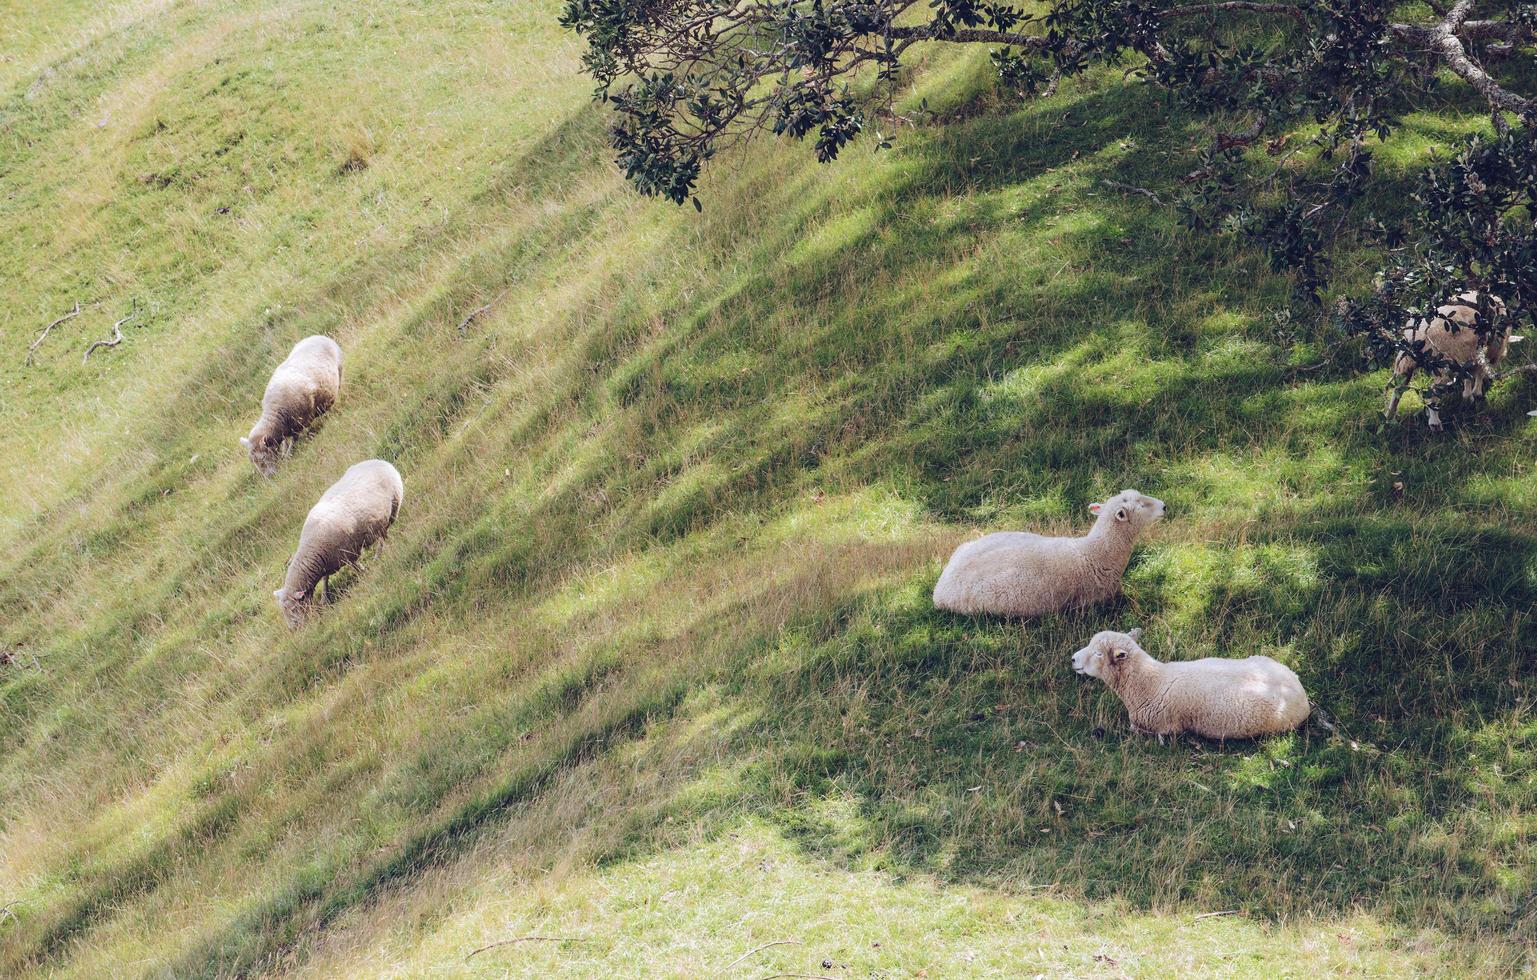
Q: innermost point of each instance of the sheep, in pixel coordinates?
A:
(1480, 354)
(1016, 573)
(1213, 697)
(354, 513)
(303, 388)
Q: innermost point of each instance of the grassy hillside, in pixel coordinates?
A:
(649, 666)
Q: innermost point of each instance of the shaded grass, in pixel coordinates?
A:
(673, 508)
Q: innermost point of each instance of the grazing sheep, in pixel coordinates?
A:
(355, 512)
(1214, 697)
(1463, 345)
(303, 388)
(1016, 573)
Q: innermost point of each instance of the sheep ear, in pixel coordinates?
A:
(245, 443)
(1094, 508)
(1136, 633)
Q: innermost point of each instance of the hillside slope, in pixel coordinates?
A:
(649, 666)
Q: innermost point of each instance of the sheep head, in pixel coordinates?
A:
(263, 451)
(1128, 511)
(1111, 656)
(293, 605)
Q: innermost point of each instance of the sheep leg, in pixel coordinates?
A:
(1395, 391)
(1434, 418)
(325, 583)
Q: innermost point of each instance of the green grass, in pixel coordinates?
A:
(650, 660)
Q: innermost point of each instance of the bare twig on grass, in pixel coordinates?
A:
(1134, 189)
(48, 329)
(15, 658)
(117, 334)
(6, 913)
(529, 939)
(476, 314)
(759, 949)
(802, 976)
(1212, 915)
(464, 324)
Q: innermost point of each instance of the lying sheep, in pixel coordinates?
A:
(303, 388)
(355, 512)
(1214, 698)
(1016, 573)
(1480, 354)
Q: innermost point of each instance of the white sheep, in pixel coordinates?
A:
(303, 388)
(1016, 573)
(1463, 345)
(1213, 697)
(354, 513)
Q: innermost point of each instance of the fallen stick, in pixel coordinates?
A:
(1209, 915)
(476, 314)
(15, 658)
(117, 335)
(465, 323)
(759, 949)
(44, 335)
(1134, 189)
(528, 939)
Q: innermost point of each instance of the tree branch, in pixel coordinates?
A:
(528, 939)
(1134, 189)
(1228, 141)
(1455, 56)
(1442, 39)
(117, 334)
(46, 330)
(759, 949)
(1459, 13)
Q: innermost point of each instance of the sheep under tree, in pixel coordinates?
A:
(1311, 86)
(1453, 335)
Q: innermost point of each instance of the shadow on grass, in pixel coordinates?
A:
(973, 752)
(978, 328)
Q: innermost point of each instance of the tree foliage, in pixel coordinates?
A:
(1297, 94)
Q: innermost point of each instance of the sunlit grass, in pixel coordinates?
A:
(697, 907)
